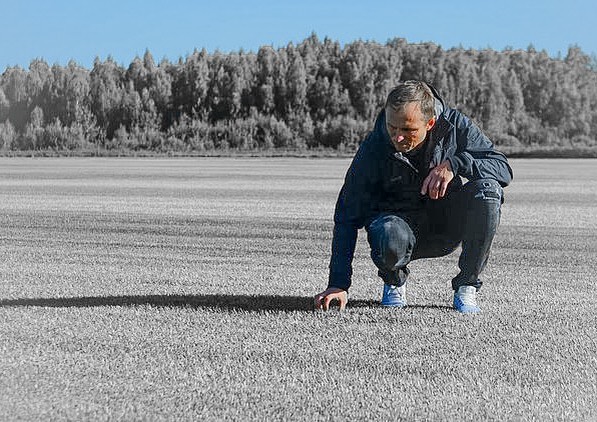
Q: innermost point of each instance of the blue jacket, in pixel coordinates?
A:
(381, 180)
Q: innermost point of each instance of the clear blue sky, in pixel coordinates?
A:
(60, 30)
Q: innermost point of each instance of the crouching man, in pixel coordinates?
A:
(405, 187)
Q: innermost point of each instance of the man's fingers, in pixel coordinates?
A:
(318, 301)
(431, 186)
(326, 302)
(436, 183)
(437, 188)
(443, 188)
(329, 298)
(343, 301)
(323, 302)
(425, 187)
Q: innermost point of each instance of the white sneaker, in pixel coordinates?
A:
(465, 300)
(394, 296)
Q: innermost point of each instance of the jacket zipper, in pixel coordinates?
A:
(402, 158)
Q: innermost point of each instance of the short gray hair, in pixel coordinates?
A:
(412, 91)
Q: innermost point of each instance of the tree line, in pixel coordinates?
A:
(315, 95)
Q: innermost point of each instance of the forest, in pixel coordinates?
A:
(315, 96)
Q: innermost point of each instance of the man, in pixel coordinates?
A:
(405, 187)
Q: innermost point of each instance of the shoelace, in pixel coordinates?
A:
(468, 298)
(396, 291)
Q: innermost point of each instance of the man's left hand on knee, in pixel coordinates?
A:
(436, 183)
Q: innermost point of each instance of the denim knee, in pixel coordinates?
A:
(483, 202)
(488, 190)
(392, 241)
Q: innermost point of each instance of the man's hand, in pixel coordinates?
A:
(436, 182)
(323, 299)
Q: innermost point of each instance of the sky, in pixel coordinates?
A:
(58, 31)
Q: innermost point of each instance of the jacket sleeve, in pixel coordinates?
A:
(475, 158)
(352, 209)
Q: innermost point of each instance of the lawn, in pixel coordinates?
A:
(181, 289)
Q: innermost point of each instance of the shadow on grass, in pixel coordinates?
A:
(238, 302)
(229, 302)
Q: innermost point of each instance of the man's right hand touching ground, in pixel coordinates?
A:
(323, 299)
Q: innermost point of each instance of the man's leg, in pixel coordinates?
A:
(392, 241)
(470, 217)
(478, 206)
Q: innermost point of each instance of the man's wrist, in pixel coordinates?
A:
(339, 280)
(340, 286)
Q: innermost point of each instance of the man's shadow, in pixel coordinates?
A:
(238, 302)
(250, 303)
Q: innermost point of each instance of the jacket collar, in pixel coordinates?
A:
(442, 127)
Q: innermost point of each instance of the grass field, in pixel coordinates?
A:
(182, 289)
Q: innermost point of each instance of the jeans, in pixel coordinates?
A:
(469, 217)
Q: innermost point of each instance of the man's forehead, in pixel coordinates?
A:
(406, 107)
(408, 112)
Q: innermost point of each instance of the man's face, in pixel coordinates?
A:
(407, 127)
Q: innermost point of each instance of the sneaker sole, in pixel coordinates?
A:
(464, 309)
(393, 305)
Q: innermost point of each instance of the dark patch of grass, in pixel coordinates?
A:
(224, 302)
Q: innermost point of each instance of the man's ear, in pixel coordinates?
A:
(431, 123)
